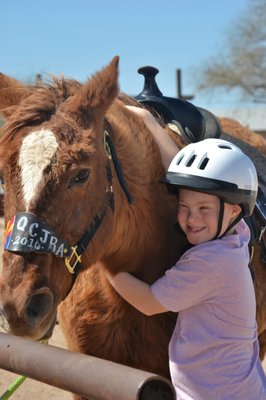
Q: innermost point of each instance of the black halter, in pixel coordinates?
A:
(26, 233)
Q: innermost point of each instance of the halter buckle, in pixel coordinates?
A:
(73, 260)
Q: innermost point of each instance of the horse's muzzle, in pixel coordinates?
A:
(36, 320)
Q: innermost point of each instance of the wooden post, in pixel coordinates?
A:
(179, 88)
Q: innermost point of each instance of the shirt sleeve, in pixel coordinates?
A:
(188, 283)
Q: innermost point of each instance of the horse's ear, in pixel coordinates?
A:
(95, 96)
(11, 92)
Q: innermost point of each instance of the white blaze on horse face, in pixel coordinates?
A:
(36, 152)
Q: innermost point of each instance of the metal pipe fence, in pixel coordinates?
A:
(86, 376)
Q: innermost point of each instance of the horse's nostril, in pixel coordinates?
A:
(39, 305)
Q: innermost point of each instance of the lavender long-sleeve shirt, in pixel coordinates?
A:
(214, 349)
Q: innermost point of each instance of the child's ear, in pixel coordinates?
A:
(236, 209)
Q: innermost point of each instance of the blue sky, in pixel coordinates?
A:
(78, 37)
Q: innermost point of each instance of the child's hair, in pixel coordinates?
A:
(217, 167)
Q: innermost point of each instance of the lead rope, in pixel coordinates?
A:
(13, 387)
(17, 383)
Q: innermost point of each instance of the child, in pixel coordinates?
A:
(213, 352)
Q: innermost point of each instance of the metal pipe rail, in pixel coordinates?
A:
(86, 376)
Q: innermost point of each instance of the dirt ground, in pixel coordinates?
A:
(30, 389)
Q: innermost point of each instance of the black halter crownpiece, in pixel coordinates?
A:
(111, 153)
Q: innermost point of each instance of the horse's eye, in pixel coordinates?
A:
(81, 177)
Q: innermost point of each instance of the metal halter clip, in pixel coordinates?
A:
(106, 144)
(72, 261)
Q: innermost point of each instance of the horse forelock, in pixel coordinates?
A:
(38, 107)
(34, 150)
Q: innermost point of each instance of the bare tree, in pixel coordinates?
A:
(241, 61)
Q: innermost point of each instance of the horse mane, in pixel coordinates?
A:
(237, 130)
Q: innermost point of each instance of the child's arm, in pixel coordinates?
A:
(168, 148)
(136, 292)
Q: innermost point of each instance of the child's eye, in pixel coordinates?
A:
(205, 208)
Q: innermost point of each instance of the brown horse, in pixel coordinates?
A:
(73, 158)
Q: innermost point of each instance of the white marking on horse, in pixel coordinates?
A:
(36, 152)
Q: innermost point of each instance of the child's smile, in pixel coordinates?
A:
(198, 215)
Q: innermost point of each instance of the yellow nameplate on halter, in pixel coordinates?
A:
(72, 261)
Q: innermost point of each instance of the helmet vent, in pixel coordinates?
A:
(204, 163)
(224, 146)
(179, 160)
(191, 160)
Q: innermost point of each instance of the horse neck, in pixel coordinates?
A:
(141, 230)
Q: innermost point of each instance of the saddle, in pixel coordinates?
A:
(195, 124)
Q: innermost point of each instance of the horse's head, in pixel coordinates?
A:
(53, 163)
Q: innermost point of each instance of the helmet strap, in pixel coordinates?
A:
(233, 223)
(220, 221)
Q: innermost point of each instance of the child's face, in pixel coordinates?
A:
(198, 215)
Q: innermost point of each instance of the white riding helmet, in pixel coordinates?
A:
(218, 167)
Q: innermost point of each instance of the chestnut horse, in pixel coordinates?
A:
(79, 169)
